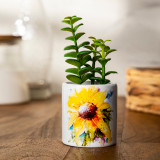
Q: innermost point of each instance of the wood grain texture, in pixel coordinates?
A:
(143, 89)
(33, 132)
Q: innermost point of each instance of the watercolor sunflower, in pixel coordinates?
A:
(89, 116)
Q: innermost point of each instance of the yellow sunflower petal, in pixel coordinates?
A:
(73, 102)
(99, 98)
(78, 99)
(91, 96)
(83, 95)
(73, 116)
(104, 105)
(79, 126)
(91, 92)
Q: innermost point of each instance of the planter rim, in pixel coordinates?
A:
(89, 84)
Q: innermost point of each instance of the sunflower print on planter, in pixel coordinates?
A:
(89, 117)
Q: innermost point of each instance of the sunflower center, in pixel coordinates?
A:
(87, 110)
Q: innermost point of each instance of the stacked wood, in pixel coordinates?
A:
(143, 89)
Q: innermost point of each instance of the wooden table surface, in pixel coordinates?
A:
(33, 132)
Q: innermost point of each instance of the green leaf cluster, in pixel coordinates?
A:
(77, 55)
(80, 54)
(100, 53)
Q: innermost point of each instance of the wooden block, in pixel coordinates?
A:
(143, 89)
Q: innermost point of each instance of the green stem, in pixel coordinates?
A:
(103, 72)
(103, 65)
(93, 66)
(103, 53)
(75, 43)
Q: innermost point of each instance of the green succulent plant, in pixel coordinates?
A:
(77, 56)
(100, 53)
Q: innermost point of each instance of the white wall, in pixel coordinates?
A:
(132, 25)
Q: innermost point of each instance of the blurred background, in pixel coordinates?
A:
(133, 27)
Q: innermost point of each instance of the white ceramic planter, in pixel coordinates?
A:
(89, 114)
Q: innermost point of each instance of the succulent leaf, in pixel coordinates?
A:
(73, 62)
(74, 79)
(68, 17)
(91, 37)
(106, 81)
(67, 29)
(107, 41)
(71, 54)
(110, 72)
(78, 35)
(96, 57)
(86, 59)
(83, 44)
(86, 77)
(103, 61)
(70, 47)
(85, 70)
(70, 38)
(83, 53)
(111, 50)
(66, 21)
(76, 27)
(106, 48)
(72, 70)
(89, 47)
(75, 19)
